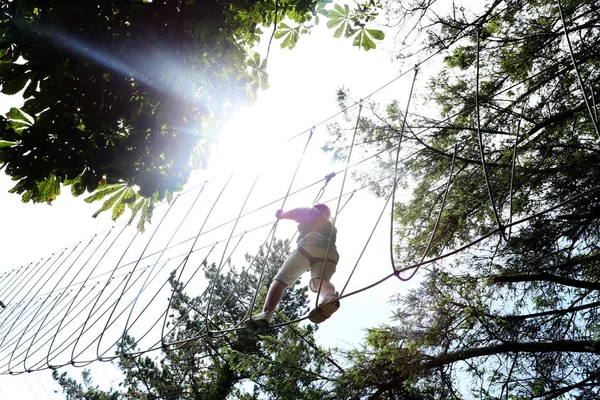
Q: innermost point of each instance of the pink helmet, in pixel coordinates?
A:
(323, 209)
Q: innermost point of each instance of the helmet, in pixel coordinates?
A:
(323, 209)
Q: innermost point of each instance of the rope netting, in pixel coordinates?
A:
(112, 294)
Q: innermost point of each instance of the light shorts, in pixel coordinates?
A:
(296, 264)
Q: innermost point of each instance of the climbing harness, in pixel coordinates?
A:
(314, 260)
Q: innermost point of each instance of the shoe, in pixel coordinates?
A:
(329, 299)
(326, 308)
(258, 321)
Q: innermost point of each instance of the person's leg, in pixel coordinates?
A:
(327, 288)
(323, 271)
(329, 303)
(274, 295)
(321, 275)
(288, 274)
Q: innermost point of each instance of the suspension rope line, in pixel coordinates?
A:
(395, 183)
(108, 281)
(100, 357)
(7, 318)
(576, 69)
(162, 334)
(133, 270)
(235, 287)
(274, 230)
(10, 280)
(73, 279)
(480, 136)
(66, 272)
(221, 263)
(20, 281)
(190, 208)
(112, 275)
(437, 221)
(366, 244)
(512, 177)
(325, 259)
(65, 344)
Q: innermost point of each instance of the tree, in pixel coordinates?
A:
(278, 363)
(514, 314)
(123, 98)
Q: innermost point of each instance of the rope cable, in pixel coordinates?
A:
(480, 136)
(395, 183)
(75, 277)
(221, 263)
(66, 272)
(437, 221)
(274, 229)
(366, 244)
(576, 69)
(512, 177)
(325, 259)
(134, 268)
(162, 334)
(160, 256)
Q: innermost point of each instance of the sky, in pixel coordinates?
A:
(302, 93)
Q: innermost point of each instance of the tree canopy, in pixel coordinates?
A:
(124, 98)
(501, 161)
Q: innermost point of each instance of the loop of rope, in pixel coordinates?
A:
(395, 183)
(437, 221)
(327, 178)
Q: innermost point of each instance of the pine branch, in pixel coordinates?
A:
(548, 278)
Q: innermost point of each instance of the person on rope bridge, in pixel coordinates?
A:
(316, 240)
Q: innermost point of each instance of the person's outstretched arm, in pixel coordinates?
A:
(296, 214)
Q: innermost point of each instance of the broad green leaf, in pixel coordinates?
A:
(100, 194)
(333, 22)
(16, 84)
(343, 11)
(376, 34)
(48, 189)
(129, 197)
(77, 186)
(363, 40)
(110, 202)
(340, 30)
(135, 209)
(4, 143)
(18, 119)
(14, 114)
(118, 209)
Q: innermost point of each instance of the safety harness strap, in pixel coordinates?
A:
(314, 260)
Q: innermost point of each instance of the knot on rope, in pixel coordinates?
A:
(328, 177)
